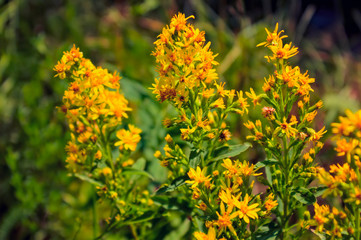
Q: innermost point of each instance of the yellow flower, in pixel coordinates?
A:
(286, 127)
(227, 197)
(219, 103)
(225, 135)
(179, 21)
(128, 140)
(61, 68)
(355, 118)
(318, 135)
(355, 197)
(321, 213)
(247, 170)
(254, 97)
(282, 52)
(270, 202)
(106, 171)
(242, 103)
(225, 219)
(289, 76)
(184, 61)
(202, 236)
(220, 89)
(250, 125)
(344, 127)
(273, 38)
(232, 169)
(98, 155)
(202, 206)
(186, 132)
(343, 146)
(197, 177)
(343, 173)
(246, 212)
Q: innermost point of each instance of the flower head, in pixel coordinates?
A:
(246, 211)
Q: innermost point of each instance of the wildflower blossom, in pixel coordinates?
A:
(287, 128)
(185, 61)
(128, 139)
(247, 211)
(197, 177)
(225, 219)
(273, 38)
(202, 236)
(270, 202)
(321, 213)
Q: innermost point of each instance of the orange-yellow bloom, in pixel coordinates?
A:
(282, 52)
(225, 219)
(128, 140)
(246, 212)
(254, 97)
(197, 177)
(287, 128)
(345, 147)
(321, 213)
(270, 202)
(273, 38)
(202, 236)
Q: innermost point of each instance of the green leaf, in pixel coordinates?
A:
(268, 232)
(165, 201)
(267, 162)
(176, 183)
(268, 174)
(148, 215)
(229, 151)
(270, 101)
(172, 203)
(318, 191)
(304, 196)
(195, 157)
(262, 180)
(134, 171)
(318, 234)
(88, 179)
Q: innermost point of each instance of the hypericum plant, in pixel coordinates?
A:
(95, 109)
(219, 190)
(343, 182)
(289, 141)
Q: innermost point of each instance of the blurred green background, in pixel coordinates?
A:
(38, 200)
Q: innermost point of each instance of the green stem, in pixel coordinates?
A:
(192, 98)
(358, 233)
(108, 151)
(284, 218)
(95, 216)
(214, 141)
(134, 232)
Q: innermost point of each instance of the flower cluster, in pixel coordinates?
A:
(185, 62)
(289, 140)
(95, 110)
(226, 202)
(188, 81)
(343, 180)
(207, 184)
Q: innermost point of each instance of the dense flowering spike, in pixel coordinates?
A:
(184, 60)
(290, 142)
